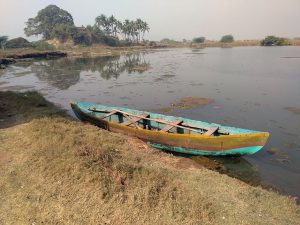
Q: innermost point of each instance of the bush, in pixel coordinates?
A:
(199, 39)
(42, 45)
(227, 38)
(274, 41)
(111, 41)
(125, 43)
(18, 43)
(80, 38)
(152, 44)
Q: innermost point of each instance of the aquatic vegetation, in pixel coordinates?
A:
(190, 102)
(295, 110)
(186, 103)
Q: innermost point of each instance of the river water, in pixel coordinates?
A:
(252, 87)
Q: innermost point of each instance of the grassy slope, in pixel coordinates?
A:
(59, 171)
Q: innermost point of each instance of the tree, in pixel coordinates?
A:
(102, 23)
(227, 38)
(130, 30)
(274, 41)
(199, 39)
(45, 21)
(145, 28)
(126, 29)
(3, 41)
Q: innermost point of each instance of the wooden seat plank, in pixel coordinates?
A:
(134, 119)
(170, 126)
(109, 114)
(210, 131)
(204, 128)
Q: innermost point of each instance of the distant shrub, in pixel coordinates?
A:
(274, 41)
(125, 43)
(168, 41)
(111, 41)
(152, 44)
(82, 38)
(199, 39)
(227, 38)
(18, 43)
(42, 45)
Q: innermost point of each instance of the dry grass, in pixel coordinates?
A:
(237, 43)
(59, 171)
(100, 50)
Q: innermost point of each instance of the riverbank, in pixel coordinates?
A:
(54, 169)
(10, 56)
(237, 43)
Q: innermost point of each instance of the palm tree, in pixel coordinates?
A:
(145, 28)
(133, 29)
(139, 27)
(112, 24)
(102, 23)
(126, 29)
(129, 29)
(118, 27)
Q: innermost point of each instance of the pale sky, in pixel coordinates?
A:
(175, 19)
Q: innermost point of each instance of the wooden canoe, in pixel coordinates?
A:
(173, 133)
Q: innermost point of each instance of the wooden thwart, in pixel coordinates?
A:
(109, 114)
(211, 131)
(204, 128)
(169, 127)
(134, 119)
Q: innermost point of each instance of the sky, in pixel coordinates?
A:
(174, 19)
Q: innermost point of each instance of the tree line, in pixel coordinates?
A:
(54, 22)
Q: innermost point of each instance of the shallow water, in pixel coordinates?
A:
(251, 87)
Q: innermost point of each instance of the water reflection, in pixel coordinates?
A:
(62, 73)
(65, 72)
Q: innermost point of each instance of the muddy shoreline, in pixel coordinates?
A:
(13, 58)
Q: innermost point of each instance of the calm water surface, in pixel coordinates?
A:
(251, 87)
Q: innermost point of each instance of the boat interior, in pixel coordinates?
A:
(144, 121)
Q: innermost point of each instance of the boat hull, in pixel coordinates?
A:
(236, 144)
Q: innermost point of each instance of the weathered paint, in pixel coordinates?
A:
(240, 142)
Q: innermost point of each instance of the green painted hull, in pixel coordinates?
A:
(238, 142)
(236, 152)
